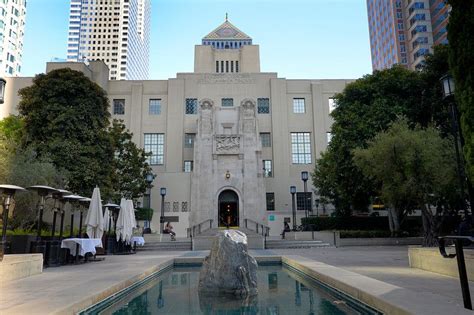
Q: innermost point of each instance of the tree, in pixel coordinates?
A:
(365, 107)
(19, 166)
(415, 169)
(66, 118)
(130, 163)
(461, 62)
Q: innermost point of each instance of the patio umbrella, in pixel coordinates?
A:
(124, 223)
(95, 220)
(132, 214)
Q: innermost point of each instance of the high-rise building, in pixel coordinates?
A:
(114, 31)
(404, 31)
(12, 29)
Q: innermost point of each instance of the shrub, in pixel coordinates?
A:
(364, 234)
(412, 225)
(144, 214)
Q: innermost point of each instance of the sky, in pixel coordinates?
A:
(299, 39)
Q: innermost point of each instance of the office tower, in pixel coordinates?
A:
(12, 29)
(114, 31)
(404, 31)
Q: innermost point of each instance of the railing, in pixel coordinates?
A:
(259, 228)
(459, 242)
(198, 228)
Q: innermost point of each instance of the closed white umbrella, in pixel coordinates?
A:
(95, 219)
(132, 214)
(106, 220)
(124, 223)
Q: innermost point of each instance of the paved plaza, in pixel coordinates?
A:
(59, 290)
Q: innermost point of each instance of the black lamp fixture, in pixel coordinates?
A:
(448, 85)
(8, 194)
(304, 178)
(3, 83)
(293, 192)
(162, 217)
(149, 178)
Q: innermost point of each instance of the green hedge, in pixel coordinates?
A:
(144, 214)
(413, 225)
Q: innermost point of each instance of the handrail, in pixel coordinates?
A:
(459, 241)
(197, 228)
(264, 229)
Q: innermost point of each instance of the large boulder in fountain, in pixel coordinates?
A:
(229, 269)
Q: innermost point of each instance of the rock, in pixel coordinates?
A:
(229, 269)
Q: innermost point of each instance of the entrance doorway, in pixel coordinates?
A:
(228, 209)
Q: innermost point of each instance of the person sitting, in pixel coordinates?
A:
(169, 230)
(286, 228)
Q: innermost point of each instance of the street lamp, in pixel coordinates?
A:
(9, 192)
(162, 217)
(149, 177)
(448, 92)
(2, 90)
(293, 192)
(304, 178)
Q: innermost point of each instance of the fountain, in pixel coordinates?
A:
(229, 269)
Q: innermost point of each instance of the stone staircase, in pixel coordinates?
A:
(204, 240)
(154, 242)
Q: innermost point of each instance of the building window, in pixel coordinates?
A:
(175, 206)
(263, 105)
(154, 107)
(227, 102)
(217, 66)
(191, 106)
(332, 104)
(167, 206)
(267, 168)
(266, 139)
(300, 201)
(184, 206)
(237, 66)
(119, 107)
(154, 144)
(188, 166)
(189, 140)
(298, 106)
(270, 201)
(300, 148)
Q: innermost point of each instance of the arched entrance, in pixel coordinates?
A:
(228, 209)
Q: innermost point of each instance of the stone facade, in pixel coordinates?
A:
(238, 120)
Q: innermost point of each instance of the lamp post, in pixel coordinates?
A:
(9, 193)
(149, 177)
(448, 91)
(162, 217)
(293, 192)
(3, 83)
(304, 178)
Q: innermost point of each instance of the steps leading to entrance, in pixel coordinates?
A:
(179, 245)
(283, 244)
(204, 240)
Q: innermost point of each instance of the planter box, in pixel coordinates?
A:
(20, 266)
(429, 259)
(380, 241)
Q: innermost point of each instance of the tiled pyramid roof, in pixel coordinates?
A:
(226, 31)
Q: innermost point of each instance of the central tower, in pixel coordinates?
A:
(226, 50)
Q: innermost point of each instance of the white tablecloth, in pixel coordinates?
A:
(86, 245)
(138, 239)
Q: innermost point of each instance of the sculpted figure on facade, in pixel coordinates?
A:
(206, 116)
(227, 144)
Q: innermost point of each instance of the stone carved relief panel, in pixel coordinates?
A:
(227, 144)
(233, 78)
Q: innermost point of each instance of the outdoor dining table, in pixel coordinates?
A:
(81, 246)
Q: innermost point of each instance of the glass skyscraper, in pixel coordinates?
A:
(114, 31)
(12, 28)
